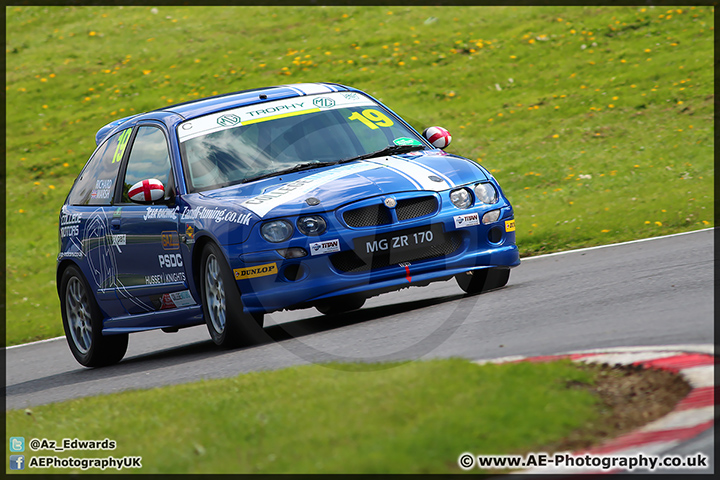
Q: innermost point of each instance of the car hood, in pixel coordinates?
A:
(338, 185)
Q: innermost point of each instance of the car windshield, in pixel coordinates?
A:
(299, 133)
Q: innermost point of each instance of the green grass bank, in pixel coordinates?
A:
(415, 417)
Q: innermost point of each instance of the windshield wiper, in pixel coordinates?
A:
(389, 150)
(296, 168)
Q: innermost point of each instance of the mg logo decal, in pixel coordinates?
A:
(228, 120)
(323, 102)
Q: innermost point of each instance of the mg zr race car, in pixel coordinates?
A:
(223, 209)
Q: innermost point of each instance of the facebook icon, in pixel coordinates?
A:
(17, 462)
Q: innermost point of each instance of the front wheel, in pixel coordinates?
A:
(479, 281)
(229, 325)
(82, 322)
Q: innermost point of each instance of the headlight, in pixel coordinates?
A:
(461, 198)
(312, 225)
(277, 231)
(486, 193)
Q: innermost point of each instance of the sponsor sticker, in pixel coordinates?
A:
(103, 189)
(118, 240)
(330, 246)
(468, 220)
(216, 214)
(177, 300)
(509, 225)
(170, 260)
(170, 240)
(325, 102)
(257, 271)
(69, 224)
(406, 141)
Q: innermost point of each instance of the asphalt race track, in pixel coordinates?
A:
(654, 292)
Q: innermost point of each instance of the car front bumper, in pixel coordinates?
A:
(269, 282)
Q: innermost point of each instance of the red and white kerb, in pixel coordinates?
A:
(438, 136)
(147, 191)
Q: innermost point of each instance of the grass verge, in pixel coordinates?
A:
(417, 417)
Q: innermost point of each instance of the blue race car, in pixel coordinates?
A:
(220, 210)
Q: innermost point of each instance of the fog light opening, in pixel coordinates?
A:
(495, 235)
(294, 272)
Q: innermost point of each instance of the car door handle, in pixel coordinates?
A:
(115, 224)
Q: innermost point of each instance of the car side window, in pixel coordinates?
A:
(96, 184)
(149, 158)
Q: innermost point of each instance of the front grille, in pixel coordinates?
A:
(415, 207)
(349, 262)
(406, 209)
(368, 216)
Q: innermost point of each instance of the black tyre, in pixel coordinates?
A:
(83, 322)
(229, 325)
(346, 303)
(479, 281)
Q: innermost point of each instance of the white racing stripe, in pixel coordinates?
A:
(444, 177)
(419, 174)
(310, 88)
(262, 204)
(379, 163)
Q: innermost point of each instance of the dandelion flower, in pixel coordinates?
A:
(604, 231)
(659, 224)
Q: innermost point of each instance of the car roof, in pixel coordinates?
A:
(196, 108)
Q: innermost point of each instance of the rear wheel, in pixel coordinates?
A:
(479, 281)
(229, 325)
(82, 322)
(346, 303)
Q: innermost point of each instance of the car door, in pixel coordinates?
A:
(145, 236)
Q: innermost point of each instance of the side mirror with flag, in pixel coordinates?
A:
(438, 136)
(147, 191)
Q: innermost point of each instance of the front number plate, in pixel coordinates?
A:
(398, 244)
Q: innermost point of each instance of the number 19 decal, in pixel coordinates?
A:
(372, 118)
